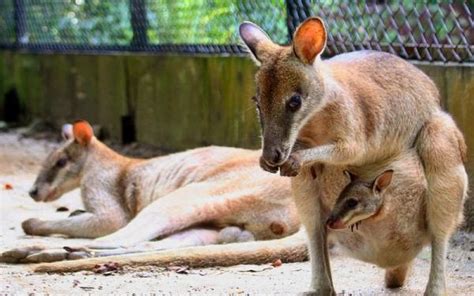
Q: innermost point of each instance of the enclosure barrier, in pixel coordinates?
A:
(417, 30)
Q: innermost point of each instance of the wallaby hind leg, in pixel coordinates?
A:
(308, 203)
(395, 277)
(187, 238)
(442, 150)
(183, 208)
(36, 254)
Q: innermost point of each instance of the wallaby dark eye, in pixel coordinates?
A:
(351, 203)
(294, 103)
(61, 162)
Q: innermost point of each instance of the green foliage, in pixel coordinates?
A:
(352, 23)
(212, 21)
(80, 21)
(102, 22)
(7, 29)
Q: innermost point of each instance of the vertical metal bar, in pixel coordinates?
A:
(19, 16)
(139, 23)
(296, 12)
(291, 22)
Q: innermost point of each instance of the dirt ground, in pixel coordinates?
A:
(19, 161)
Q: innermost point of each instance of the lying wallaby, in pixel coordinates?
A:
(197, 197)
(354, 109)
(382, 220)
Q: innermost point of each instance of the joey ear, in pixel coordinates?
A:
(255, 39)
(83, 132)
(350, 175)
(382, 181)
(66, 131)
(309, 40)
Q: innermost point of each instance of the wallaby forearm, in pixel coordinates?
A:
(85, 225)
(339, 154)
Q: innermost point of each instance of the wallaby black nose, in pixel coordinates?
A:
(33, 193)
(273, 156)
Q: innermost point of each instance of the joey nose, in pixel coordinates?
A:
(33, 193)
(334, 223)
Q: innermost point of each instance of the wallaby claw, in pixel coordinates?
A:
(291, 167)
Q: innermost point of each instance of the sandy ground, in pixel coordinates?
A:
(19, 161)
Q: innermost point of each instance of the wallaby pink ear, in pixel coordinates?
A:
(309, 39)
(382, 181)
(83, 132)
(255, 39)
(66, 131)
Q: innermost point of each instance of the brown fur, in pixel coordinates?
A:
(184, 199)
(356, 109)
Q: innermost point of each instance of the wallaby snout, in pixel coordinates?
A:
(34, 193)
(273, 156)
(334, 223)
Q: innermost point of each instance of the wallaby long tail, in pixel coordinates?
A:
(290, 249)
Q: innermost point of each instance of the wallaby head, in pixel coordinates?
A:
(289, 84)
(359, 200)
(61, 171)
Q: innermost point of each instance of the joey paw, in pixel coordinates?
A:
(291, 167)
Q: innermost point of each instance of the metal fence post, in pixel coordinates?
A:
(139, 23)
(296, 12)
(19, 16)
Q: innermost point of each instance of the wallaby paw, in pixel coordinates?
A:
(291, 167)
(18, 255)
(106, 244)
(246, 236)
(233, 234)
(319, 293)
(266, 167)
(31, 226)
(435, 292)
(51, 255)
(76, 213)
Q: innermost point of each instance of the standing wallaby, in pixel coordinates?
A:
(351, 110)
(197, 197)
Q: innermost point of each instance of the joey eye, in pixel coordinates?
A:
(351, 203)
(294, 103)
(61, 162)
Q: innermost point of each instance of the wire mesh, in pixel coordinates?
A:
(421, 30)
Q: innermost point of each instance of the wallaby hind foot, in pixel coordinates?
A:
(395, 277)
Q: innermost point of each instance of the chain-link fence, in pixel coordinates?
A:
(421, 30)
